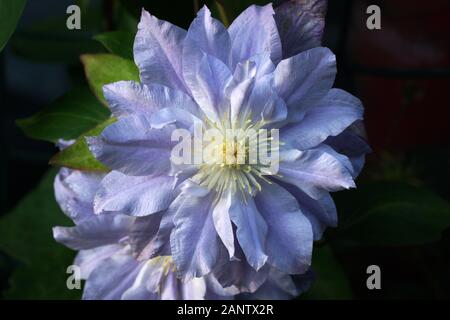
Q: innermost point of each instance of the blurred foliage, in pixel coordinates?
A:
(26, 235)
(331, 281)
(66, 118)
(10, 12)
(390, 213)
(117, 42)
(51, 41)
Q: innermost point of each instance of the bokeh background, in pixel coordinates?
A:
(399, 216)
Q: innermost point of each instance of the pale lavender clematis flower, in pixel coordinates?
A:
(251, 74)
(113, 263)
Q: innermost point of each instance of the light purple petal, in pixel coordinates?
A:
(157, 52)
(222, 222)
(129, 97)
(194, 241)
(329, 117)
(289, 236)
(314, 172)
(75, 191)
(112, 278)
(206, 77)
(207, 35)
(300, 24)
(131, 146)
(89, 260)
(253, 32)
(135, 196)
(99, 230)
(251, 230)
(305, 79)
(147, 284)
(193, 290)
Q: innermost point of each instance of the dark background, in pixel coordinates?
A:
(401, 73)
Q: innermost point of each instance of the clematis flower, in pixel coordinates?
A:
(235, 222)
(110, 259)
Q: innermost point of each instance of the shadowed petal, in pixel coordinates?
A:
(300, 24)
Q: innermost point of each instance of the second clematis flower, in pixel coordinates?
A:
(234, 221)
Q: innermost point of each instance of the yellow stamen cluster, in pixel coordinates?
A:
(232, 165)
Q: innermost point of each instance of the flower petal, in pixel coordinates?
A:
(222, 222)
(194, 241)
(75, 191)
(157, 52)
(207, 35)
(206, 77)
(304, 79)
(282, 286)
(351, 142)
(135, 196)
(320, 212)
(112, 278)
(329, 117)
(289, 235)
(300, 24)
(88, 260)
(99, 230)
(251, 230)
(237, 275)
(129, 97)
(314, 172)
(253, 32)
(131, 146)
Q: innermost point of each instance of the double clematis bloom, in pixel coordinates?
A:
(204, 230)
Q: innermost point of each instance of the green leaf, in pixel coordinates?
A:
(10, 12)
(78, 156)
(50, 40)
(331, 281)
(103, 69)
(66, 118)
(391, 213)
(117, 42)
(26, 235)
